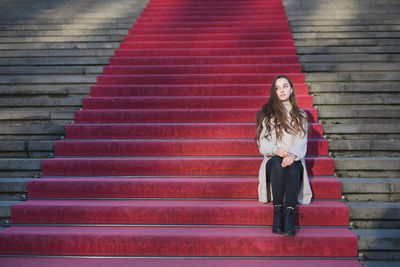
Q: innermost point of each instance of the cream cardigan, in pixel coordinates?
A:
(295, 144)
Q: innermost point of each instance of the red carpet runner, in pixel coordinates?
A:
(160, 165)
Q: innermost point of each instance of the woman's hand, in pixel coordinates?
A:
(287, 161)
(281, 152)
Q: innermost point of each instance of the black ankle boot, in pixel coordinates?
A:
(288, 228)
(278, 220)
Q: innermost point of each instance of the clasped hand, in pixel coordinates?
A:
(287, 157)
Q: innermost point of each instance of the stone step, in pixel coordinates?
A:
(49, 79)
(345, 22)
(72, 20)
(34, 70)
(353, 77)
(13, 188)
(345, 42)
(40, 102)
(45, 90)
(345, 28)
(358, 99)
(26, 149)
(5, 210)
(364, 148)
(51, 48)
(352, 58)
(341, 110)
(345, 35)
(99, 38)
(41, 114)
(62, 32)
(371, 189)
(342, 16)
(350, 67)
(343, 49)
(361, 129)
(32, 132)
(67, 52)
(378, 244)
(385, 167)
(370, 214)
(40, 27)
(54, 61)
(349, 87)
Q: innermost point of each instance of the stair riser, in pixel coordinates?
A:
(323, 188)
(170, 116)
(126, 51)
(213, 30)
(208, 24)
(184, 103)
(169, 166)
(208, 37)
(171, 148)
(186, 90)
(156, 212)
(188, 79)
(149, 241)
(215, 19)
(237, 43)
(171, 131)
(203, 60)
(196, 69)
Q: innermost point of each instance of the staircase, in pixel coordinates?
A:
(50, 54)
(160, 165)
(349, 51)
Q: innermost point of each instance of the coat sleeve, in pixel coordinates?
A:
(266, 147)
(299, 148)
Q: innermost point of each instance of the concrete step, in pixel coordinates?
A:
(353, 77)
(368, 167)
(370, 214)
(353, 109)
(371, 189)
(343, 49)
(345, 35)
(99, 38)
(26, 149)
(40, 113)
(34, 70)
(364, 148)
(39, 27)
(345, 42)
(358, 99)
(378, 244)
(352, 58)
(349, 129)
(350, 67)
(23, 132)
(72, 20)
(51, 48)
(5, 210)
(32, 53)
(61, 33)
(48, 79)
(364, 21)
(40, 102)
(14, 189)
(45, 90)
(54, 61)
(341, 88)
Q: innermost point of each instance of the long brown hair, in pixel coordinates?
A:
(274, 111)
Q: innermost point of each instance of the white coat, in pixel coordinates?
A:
(295, 144)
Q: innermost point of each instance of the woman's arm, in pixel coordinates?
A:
(266, 147)
(299, 148)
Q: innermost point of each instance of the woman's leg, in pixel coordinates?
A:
(293, 178)
(276, 174)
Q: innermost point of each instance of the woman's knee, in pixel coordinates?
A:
(295, 168)
(275, 162)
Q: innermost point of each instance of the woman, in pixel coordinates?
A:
(282, 139)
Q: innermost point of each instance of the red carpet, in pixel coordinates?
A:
(161, 160)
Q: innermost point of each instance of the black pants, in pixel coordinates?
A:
(285, 181)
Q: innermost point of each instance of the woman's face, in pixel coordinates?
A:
(283, 89)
